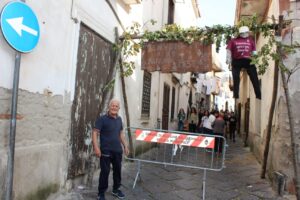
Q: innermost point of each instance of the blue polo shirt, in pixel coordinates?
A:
(110, 129)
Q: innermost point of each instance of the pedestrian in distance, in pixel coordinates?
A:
(219, 130)
(232, 126)
(206, 123)
(200, 115)
(181, 118)
(193, 120)
(226, 119)
(112, 144)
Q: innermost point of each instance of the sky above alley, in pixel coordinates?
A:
(215, 12)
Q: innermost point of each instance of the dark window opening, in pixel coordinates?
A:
(173, 103)
(171, 12)
(146, 94)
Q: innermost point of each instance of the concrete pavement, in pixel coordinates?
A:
(240, 180)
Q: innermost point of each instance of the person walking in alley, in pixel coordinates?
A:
(112, 137)
(232, 126)
(193, 120)
(226, 119)
(181, 118)
(206, 122)
(200, 115)
(219, 130)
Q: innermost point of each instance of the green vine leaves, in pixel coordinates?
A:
(133, 39)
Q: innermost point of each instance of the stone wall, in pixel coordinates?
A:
(42, 137)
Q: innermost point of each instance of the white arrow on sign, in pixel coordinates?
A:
(18, 26)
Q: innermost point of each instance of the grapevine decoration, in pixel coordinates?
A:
(134, 38)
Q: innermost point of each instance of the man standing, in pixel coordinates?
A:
(112, 137)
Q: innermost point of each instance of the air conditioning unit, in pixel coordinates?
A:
(132, 1)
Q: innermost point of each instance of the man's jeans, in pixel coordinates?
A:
(180, 125)
(107, 158)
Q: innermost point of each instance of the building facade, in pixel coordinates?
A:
(64, 86)
(254, 114)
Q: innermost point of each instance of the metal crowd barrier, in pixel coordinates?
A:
(181, 149)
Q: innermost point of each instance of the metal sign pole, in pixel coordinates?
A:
(12, 28)
(13, 122)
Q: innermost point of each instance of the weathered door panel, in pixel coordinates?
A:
(94, 70)
(165, 110)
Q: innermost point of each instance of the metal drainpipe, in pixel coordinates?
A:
(116, 14)
(158, 121)
(13, 125)
(158, 100)
(178, 93)
(214, 96)
(72, 17)
(163, 13)
(111, 7)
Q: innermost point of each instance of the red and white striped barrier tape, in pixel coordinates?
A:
(174, 138)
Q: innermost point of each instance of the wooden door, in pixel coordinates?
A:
(95, 58)
(165, 109)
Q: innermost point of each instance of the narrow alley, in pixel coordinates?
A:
(78, 77)
(240, 180)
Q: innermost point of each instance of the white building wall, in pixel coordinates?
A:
(280, 156)
(259, 109)
(47, 85)
(52, 64)
(184, 14)
(158, 11)
(51, 58)
(46, 90)
(266, 87)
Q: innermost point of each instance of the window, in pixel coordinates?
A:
(171, 12)
(173, 103)
(146, 94)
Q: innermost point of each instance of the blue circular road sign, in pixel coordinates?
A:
(20, 26)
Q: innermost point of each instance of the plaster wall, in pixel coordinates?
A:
(43, 102)
(259, 109)
(41, 143)
(184, 14)
(47, 85)
(282, 143)
(46, 90)
(51, 56)
(280, 153)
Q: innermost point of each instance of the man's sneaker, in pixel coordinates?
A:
(101, 197)
(118, 193)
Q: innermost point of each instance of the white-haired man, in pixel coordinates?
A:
(239, 52)
(112, 143)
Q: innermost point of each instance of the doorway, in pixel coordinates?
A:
(165, 109)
